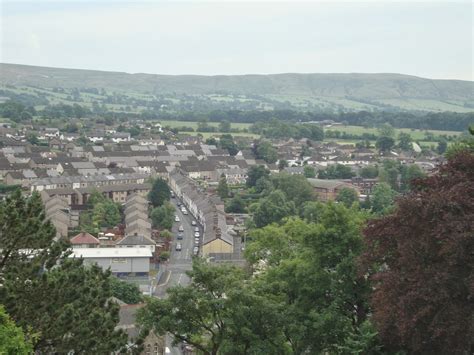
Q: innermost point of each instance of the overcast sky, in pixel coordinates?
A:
(428, 39)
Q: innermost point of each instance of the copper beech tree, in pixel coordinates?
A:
(420, 259)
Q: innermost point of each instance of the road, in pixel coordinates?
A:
(174, 272)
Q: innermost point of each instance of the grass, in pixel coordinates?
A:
(194, 124)
(416, 134)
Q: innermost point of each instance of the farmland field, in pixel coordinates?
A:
(194, 124)
(416, 134)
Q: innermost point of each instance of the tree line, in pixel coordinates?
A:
(417, 120)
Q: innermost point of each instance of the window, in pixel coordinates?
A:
(119, 260)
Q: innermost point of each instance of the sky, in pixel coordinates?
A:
(432, 39)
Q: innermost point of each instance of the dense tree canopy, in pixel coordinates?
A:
(266, 151)
(337, 171)
(58, 298)
(254, 173)
(12, 338)
(163, 216)
(125, 291)
(160, 192)
(420, 261)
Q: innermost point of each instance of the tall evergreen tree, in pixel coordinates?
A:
(67, 304)
(160, 192)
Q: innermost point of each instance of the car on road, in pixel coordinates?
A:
(193, 223)
(195, 250)
(180, 236)
(196, 229)
(197, 234)
(181, 228)
(178, 247)
(176, 218)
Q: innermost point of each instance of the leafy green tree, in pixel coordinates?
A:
(405, 141)
(223, 188)
(166, 234)
(235, 205)
(160, 192)
(125, 291)
(337, 171)
(95, 198)
(265, 150)
(311, 272)
(386, 130)
(347, 196)
(203, 125)
(211, 141)
(272, 209)
(408, 174)
(390, 175)
(226, 141)
(163, 216)
(264, 186)
(282, 164)
(224, 126)
(106, 214)
(64, 302)
(309, 172)
(382, 198)
(204, 314)
(384, 143)
(254, 173)
(442, 146)
(12, 338)
(295, 187)
(32, 138)
(369, 172)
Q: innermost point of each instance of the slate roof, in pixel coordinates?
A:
(136, 240)
(84, 238)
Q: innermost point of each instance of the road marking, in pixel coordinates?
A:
(187, 254)
(166, 282)
(179, 279)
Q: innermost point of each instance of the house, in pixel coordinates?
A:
(234, 176)
(84, 240)
(118, 137)
(152, 344)
(121, 261)
(364, 185)
(327, 190)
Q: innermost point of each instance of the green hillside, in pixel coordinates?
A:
(347, 92)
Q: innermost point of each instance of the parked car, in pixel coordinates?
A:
(181, 228)
(197, 234)
(194, 223)
(185, 212)
(180, 236)
(196, 229)
(196, 241)
(178, 247)
(172, 194)
(176, 218)
(195, 250)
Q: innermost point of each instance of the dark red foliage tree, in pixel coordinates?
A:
(420, 259)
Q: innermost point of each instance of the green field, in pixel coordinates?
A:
(194, 124)
(416, 134)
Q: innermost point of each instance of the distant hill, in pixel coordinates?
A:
(334, 91)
